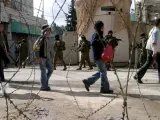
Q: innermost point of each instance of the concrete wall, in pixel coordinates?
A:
(122, 51)
(70, 38)
(8, 14)
(27, 6)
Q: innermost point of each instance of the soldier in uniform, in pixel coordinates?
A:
(59, 47)
(7, 47)
(143, 51)
(84, 48)
(113, 41)
(3, 53)
(84, 65)
(23, 52)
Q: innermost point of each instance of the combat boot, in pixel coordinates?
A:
(65, 68)
(91, 68)
(79, 69)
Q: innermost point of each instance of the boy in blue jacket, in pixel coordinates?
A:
(98, 46)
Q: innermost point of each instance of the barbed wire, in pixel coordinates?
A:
(73, 92)
(27, 39)
(59, 12)
(60, 7)
(68, 81)
(125, 99)
(29, 103)
(115, 72)
(128, 76)
(70, 60)
(4, 93)
(23, 83)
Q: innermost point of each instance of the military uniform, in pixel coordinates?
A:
(23, 53)
(59, 47)
(84, 48)
(3, 56)
(84, 65)
(143, 52)
(113, 41)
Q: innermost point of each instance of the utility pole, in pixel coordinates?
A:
(43, 10)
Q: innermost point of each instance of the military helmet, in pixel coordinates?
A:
(83, 37)
(57, 37)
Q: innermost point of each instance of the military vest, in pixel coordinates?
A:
(60, 45)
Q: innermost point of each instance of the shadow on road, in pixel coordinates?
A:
(150, 97)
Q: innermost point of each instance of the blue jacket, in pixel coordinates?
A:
(98, 46)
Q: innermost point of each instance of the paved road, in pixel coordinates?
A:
(59, 104)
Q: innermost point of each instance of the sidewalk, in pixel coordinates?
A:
(59, 104)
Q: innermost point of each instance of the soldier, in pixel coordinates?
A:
(7, 48)
(21, 53)
(113, 41)
(3, 53)
(84, 48)
(59, 47)
(143, 51)
(84, 65)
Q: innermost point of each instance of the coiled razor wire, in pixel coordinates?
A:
(125, 101)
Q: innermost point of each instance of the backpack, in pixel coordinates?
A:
(37, 44)
(107, 55)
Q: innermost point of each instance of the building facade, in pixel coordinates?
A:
(149, 10)
(106, 12)
(20, 23)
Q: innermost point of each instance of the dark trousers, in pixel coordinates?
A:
(85, 57)
(148, 63)
(59, 55)
(1, 70)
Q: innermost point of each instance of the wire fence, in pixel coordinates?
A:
(123, 89)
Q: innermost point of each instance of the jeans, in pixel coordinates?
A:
(102, 73)
(45, 64)
(148, 63)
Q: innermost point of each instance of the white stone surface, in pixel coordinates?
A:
(59, 104)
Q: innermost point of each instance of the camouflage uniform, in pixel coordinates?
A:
(113, 41)
(84, 48)
(3, 56)
(143, 52)
(23, 53)
(59, 47)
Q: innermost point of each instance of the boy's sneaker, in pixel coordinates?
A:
(106, 92)
(138, 80)
(46, 89)
(86, 86)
